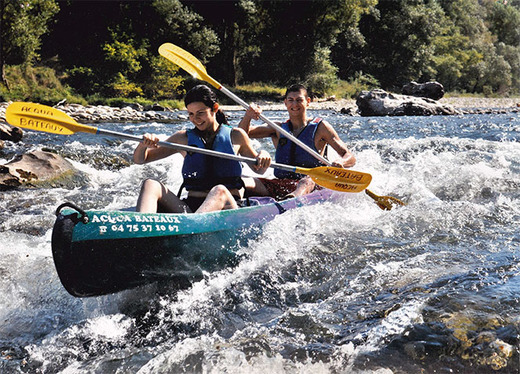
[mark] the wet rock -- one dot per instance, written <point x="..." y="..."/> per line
<point x="134" y="106"/>
<point x="8" y="132"/>
<point x="39" y="169"/>
<point x="381" y="103"/>
<point x="155" y="107"/>
<point x="349" y="111"/>
<point x="431" y="90"/>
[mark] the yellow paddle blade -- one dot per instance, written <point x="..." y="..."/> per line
<point x="43" y="118"/>
<point x="338" y="179"/>
<point x="385" y="202"/>
<point x="188" y="62"/>
<point x="169" y="48"/>
<point x="339" y="186"/>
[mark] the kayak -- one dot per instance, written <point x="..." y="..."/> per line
<point x="98" y="252"/>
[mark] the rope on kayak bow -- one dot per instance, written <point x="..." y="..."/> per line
<point x="84" y="217"/>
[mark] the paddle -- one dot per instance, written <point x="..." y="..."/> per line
<point x="44" y="118"/>
<point x="194" y="67"/>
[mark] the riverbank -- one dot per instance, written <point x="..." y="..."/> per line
<point x="465" y="104"/>
<point x="481" y="102"/>
<point x="101" y="113"/>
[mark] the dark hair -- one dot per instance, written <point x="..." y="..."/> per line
<point x="296" y="88"/>
<point x="205" y="95"/>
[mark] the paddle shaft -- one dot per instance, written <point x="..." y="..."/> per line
<point x="44" y="118"/>
<point x="333" y="178"/>
<point x="275" y="126"/>
<point x="187" y="148"/>
<point x="384" y="202"/>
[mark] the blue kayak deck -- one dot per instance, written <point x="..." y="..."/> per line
<point x="104" y="225"/>
<point x="116" y="250"/>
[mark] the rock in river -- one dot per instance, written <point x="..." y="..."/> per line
<point x="431" y="90"/>
<point x="8" y="132"/>
<point x="381" y="103"/>
<point x="39" y="169"/>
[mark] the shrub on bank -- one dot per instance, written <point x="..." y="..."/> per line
<point x="36" y="84"/>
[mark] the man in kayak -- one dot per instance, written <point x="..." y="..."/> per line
<point x="316" y="133"/>
<point x="212" y="183"/>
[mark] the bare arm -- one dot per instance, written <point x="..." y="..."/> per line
<point x="263" y="159"/>
<point x="330" y="136"/>
<point x="257" y="132"/>
<point x="148" y="150"/>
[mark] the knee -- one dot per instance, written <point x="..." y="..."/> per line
<point x="220" y="190"/>
<point x="151" y="185"/>
<point x="306" y="181"/>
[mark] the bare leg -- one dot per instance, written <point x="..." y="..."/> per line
<point x="154" y="193"/>
<point x="255" y="187"/>
<point x="304" y="186"/>
<point x="218" y="198"/>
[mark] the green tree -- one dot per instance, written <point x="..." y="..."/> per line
<point x="108" y="47"/>
<point x="323" y="77"/>
<point x="504" y="24"/>
<point x="124" y="60"/>
<point x="164" y="82"/>
<point x="235" y="23"/>
<point x="511" y="54"/>
<point x="185" y="28"/>
<point x="454" y="55"/>
<point x="291" y="35"/>
<point x="399" y="40"/>
<point x="22" y="25"/>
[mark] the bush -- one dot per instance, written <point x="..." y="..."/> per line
<point x="165" y="82"/>
<point x="322" y="78"/>
<point x="487" y="91"/>
<point x="81" y="78"/>
<point x="36" y="84"/>
<point x="122" y="86"/>
<point x="352" y="88"/>
<point x="257" y="92"/>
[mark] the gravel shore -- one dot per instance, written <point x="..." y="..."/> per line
<point x="468" y="103"/>
<point x="481" y="103"/>
<point x="100" y="113"/>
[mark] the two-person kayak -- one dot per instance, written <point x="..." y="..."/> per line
<point x="98" y="252"/>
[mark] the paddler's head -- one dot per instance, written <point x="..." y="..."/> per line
<point x="203" y="109"/>
<point x="297" y="100"/>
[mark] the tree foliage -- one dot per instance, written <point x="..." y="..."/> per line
<point x="109" y="48"/>
<point x="23" y="25"/>
<point x="291" y="35"/>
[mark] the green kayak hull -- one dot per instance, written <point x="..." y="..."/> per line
<point x="99" y="252"/>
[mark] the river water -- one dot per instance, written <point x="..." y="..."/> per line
<point x="335" y="288"/>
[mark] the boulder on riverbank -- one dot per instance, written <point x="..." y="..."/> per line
<point x="381" y="103"/>
<point x="431" y="90"/>
<point x="39" y="169"/>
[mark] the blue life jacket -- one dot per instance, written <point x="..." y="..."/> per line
<point x="290" y="153"/>
<point x="202" y="172"/>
